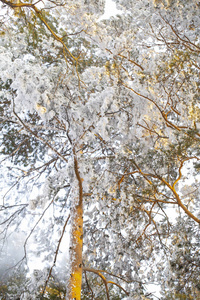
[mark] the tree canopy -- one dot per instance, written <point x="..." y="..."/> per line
<point x="100" y="156"/>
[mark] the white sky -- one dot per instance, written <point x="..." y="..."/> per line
<point x="110" y="10"/>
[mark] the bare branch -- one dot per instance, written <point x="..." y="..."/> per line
<point x="55" y="256"/>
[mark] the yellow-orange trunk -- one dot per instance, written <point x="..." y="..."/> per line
<point x="76" y="255"/>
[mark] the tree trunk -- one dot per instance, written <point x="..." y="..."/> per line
<point x="75" y="279"/>
<point x="76" y="254"/>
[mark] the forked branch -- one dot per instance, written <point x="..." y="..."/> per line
<point x="105" y="281"/>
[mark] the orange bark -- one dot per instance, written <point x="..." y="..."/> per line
<point x="75" y="280"/>
<point x="76" y="251"/>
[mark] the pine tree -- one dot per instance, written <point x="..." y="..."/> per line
<point x="100" y="147"/>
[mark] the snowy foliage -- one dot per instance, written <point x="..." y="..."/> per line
<point x="121" y="96"/>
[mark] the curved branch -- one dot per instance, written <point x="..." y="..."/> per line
<point x="171" y="187"/>
<point x="179" y="201"/>
<point x="40" y="16"/>
<point x="163" y="114"/>
<point x="99" y="273"/>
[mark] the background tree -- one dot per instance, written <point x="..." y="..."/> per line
<point x="102" y="116"/>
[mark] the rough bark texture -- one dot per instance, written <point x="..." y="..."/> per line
<point x="76" y="252"/>
<point x="76" y="241"/>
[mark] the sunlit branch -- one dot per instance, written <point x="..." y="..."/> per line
<point x="180" y="168"/>
<point x="45" y="23"/>
<point x="148" y="224"/>
<point x="111" y="274"/>
<point x="152" y="131"/>
<point x="185" y="41"/>
<point x="171" y="187"/>
<point x="99" y="273"/>
<point x="128" y="59"/>
<point x="41" y="17"/>
<point x="163" y="114"/>
<point x="180" y="202"/>
<point x="154" y="200"/>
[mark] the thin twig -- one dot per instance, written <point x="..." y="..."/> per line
<point x="55" y="257"/>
